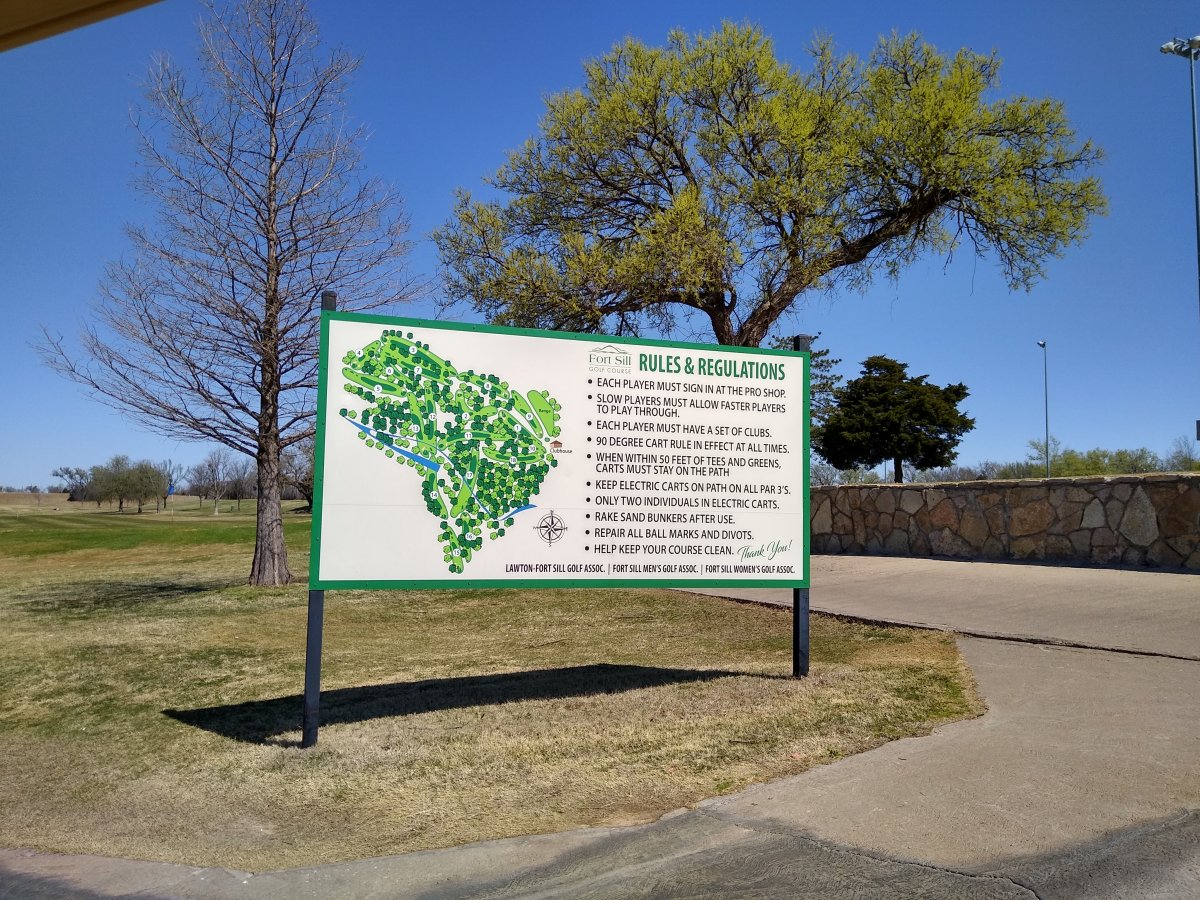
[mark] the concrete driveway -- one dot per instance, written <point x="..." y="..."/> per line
<point x="1082" y="780"/>
<point x="1141" y="610"/>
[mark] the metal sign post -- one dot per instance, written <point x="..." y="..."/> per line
<point x="800" y="648"/>
<point x="316" y="626"/>
<point x="312" y="667"/>
<point x="799" y="632"/>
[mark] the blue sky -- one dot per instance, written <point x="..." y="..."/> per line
<point x="446" y="89"/>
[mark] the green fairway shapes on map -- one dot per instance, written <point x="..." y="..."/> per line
<point x="480" y="446"/>
<point x="546" y="409"/>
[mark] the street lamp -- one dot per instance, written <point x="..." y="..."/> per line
<point x="1190" y="50"/>
<point x="1046" y="398"/>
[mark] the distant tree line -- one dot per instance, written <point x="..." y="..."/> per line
<point x="121" y="481"/>
<point x="219" y="476"/>
<point x="1182" y="456"/>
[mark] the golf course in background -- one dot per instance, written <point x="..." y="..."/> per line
<point x="151" y="701"/>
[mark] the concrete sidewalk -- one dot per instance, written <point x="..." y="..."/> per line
<point x="1082" y="780"/>
<point x="1123" y="609"/>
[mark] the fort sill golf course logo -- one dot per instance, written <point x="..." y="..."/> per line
<point x="610" y="359"/>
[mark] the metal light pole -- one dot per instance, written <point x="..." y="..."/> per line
<point x="1190" y="50"/>
<point x="1046" y="399"/>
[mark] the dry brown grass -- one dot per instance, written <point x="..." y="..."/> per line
<point x="151" y="704"/>
<point x="20" y="500"/>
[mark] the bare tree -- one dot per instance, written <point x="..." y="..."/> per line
<point x="208" y="330"/>
<point x="1182" y="456"/>
<point x="241" y="480"/>
<point x="298" y="469"/>
<point x="210" y="477"/>
<point x="75" y="481"/>
<point x="172" y="477"/>
<point x="146" y="482"/>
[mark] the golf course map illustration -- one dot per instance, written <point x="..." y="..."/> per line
<point x="482" y="447"/>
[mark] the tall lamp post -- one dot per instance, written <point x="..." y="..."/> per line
<point x="1046" y="400"/>
<point x="1189" y="49"/>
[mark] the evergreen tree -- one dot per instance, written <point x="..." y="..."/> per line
<point x="886" y="415"/>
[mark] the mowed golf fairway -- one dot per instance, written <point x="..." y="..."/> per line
<point x="151" y="700"/>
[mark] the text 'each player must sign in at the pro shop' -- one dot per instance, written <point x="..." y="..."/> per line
<point x="693" y="469"/>
<point x="480" y="446"/>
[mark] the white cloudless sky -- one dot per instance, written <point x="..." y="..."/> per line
<point x="447" y="89"/>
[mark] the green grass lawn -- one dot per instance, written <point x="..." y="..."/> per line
<point x="151" y="702"/>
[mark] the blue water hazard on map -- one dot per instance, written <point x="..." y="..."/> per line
<point x="415" y="457"/>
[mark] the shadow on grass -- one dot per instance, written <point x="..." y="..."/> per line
<point x="81" y="598"/>
<point x="261" y="721"/>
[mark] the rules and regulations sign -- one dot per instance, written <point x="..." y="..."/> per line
<point x="453" y="455"/>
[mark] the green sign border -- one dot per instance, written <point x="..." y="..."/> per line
<point x="315" y="582"/>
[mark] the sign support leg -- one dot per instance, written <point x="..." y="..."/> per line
<point x="312" y="667"/>
<point x="316" y="619"/>
<point x="801" y="343"/>
<point x="799" y="632"/>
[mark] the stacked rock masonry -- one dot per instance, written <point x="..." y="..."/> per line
<point x="1134" y="520"/>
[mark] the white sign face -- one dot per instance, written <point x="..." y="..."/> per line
<point x="453" y="455"/>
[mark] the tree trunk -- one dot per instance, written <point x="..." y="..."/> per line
<point x="898" y="470"/>
<point x="270" y="566"/>
<point x="270" y="550"/>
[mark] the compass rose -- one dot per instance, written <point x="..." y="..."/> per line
<point x="551" y="528"/>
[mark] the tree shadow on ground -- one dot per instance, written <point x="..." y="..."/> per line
<point x="261" y="721"/>
<point x="81" y="598"/>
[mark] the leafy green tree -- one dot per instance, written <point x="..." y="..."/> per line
<point x="1069" y="463"/>
<point x="709" y="179"/>
<point x="886" y="415"/>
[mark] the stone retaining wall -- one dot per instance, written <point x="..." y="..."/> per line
<point x="1135" y="520"/>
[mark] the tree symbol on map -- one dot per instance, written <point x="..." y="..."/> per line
<point x="480" y="446"/>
